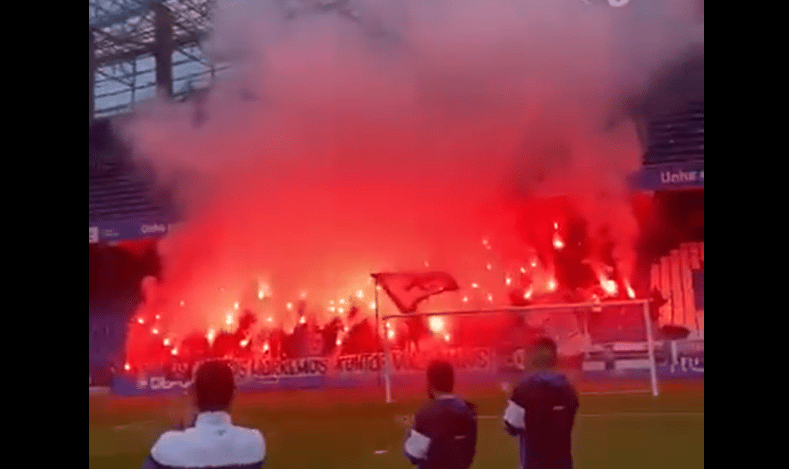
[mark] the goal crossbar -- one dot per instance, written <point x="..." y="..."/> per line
<point x="523" y="309"/>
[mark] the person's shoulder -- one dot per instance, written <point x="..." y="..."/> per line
<point x="525" y="385"/>
<point x="180" y="448"/>
<point x="252" y="441"/>
<point x="428" y="408"/>
<point x="171" y="445"/>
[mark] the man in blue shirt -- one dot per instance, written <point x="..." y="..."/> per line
<point x="541" y="412"/>
<point x="213" y="441"/>
<point x="445" y="428"/>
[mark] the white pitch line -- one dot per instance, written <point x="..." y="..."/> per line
<point x="602" y="393"/>
<point x="619" y="414"/>
<point x="132" y="425"/>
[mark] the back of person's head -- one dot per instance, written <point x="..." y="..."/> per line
<point x="441" y="376"/>
<point x="214" y="386"/>
<point x="544" y="353"/>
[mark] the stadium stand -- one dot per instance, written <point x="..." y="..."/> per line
<point x="676" y="144"/>
<point x="107" y="321"/>
<point x="121" y="197"/>
<point x="678" y="137"/>
<point x="117" y="193"/>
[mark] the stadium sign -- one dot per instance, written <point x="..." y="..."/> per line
<point x="127" y="230"/>
<point x="661" y="177"/>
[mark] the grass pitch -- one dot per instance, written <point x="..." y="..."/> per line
<point x="352" y="429"/>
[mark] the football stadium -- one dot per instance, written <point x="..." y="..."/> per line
<point x="325" y="197"/>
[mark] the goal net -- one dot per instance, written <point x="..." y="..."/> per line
<point x="603" y="347"/>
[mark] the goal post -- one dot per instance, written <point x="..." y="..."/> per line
<point x="610" y="338"/>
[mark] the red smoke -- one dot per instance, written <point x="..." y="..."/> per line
<point x="363" y="155"/>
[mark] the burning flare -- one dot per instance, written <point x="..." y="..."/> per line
<point x="436" y="324"/>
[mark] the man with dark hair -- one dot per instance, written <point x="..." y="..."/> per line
<point x="444" y="435"/>
<point x="541" y="412"/>
<point x="213" y="441"/>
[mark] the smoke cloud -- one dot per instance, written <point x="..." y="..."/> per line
<point x="396" y="135"/>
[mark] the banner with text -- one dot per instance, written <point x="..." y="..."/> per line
<point x="483" y="364"/>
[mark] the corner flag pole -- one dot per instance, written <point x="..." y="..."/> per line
<point x="385" y="339"/>
<point x="651" y="349"/>
<point x="377" y="325"/>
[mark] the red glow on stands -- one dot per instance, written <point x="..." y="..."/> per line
<point x="269" y="236"/>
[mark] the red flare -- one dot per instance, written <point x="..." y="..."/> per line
<point x="558" y="244"/>
<point x="609" y="286"/>
<point x="630" y="292"/>
<point x="436" y="324"/>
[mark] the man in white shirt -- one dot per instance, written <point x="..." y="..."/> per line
<point x="212" y="441"/>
